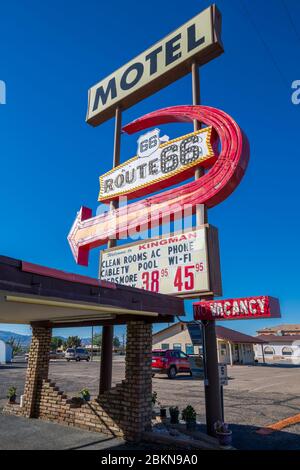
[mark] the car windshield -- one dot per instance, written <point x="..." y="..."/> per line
<point x="81" y="351"/>
<point x="69" y="350"/>
<point x="158" y="353"/>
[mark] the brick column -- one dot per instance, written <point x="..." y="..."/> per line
<point x="138" y="380"/>
<point x="37" y="370"/>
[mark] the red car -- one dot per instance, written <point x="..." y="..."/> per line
<point x="170" y="362"/>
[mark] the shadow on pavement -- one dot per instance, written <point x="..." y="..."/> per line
<point x="245" y="437"/>
<point x="279" y="365"/>
<point x="12" y="366"/>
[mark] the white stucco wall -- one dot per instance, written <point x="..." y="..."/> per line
<point x="242" y="353"/>
<point x="181" y="337"/>
<point x="5" y="352"/>
<point x="278" y="355"/>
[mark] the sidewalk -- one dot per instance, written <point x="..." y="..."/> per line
<point x="19" y="433"/>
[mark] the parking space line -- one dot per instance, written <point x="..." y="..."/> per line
<point x="283" y="423"/>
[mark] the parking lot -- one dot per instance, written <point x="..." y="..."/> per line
<point x="256" y="396"/>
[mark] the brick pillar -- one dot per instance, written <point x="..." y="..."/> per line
<point x="138" y="379"/>
<point x="37" y="370"/>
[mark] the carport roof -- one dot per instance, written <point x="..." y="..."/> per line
<point x="36" y="294"/>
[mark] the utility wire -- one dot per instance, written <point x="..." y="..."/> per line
<point x="266" y="46"/>
<point x="297" y="34"/>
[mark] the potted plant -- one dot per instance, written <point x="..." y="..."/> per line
<point x="11" y="395"/>
<point x="163" y="411"/>
<point x="174" y="414"/>
<point x="189" y="416"/>
<point x="223" y="433"/>
<point x="85" y="393"/>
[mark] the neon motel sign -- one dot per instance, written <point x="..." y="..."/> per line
<point x="163" y="63"/>
<point x="159" y="163"/>
<point x="216" y="185"/>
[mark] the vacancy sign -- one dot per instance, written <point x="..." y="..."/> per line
<point x="237" y="309"/>
<point x="185" y="264"/>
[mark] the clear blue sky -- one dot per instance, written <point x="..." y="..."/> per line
<point x="52" y="52"/>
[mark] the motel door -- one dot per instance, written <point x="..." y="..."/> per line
<point x="236" y="354"/>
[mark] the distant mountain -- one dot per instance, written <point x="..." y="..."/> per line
<point x="7" y="335"/>
<point x="26" y="339"/>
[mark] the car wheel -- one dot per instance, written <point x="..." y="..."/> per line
<point x="172" y="372"/>
<point x="191" y="373"/>
<point x="68" y="360"/>
<point x="77" y="359"/>
<point x="153" y="375"/>
<point x="87" y="360"/>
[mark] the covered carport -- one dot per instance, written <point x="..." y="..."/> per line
<point x="47" y="298"/>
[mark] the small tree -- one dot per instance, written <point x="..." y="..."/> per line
<point x="97" y="340"/>
<point x="72" y="342"/>
<point x="56" y="343"/>
<point x="116" y="342"/>
<point x="15" y="345"/>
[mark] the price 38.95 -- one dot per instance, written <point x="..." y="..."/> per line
<point x="184" y="279"/>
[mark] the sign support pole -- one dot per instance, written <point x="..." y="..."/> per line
<point x="213" y="399"/>
<point x="108" y="330"/>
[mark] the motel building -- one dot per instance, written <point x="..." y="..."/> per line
<point x="282" y="344"/>
<point x="233" y="347"/>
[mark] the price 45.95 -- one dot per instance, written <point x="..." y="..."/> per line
<point x="184" y="279"/>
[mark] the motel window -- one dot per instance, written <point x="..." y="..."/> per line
<point x="269" y="350"/>
<point x="177" y="346"/>
<point x="287" y="351"/>
<point x="165" y="346"/>
<point x="189" y="349"/>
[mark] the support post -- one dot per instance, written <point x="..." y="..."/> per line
<point x="213" y="402"/>
<point x="106" y="359"/>
<point x="230" y="353"/>
<point x="108" y="331"/>
<point x="201" y="216"/>
<point x="138" y="379"/>
<point x="263" y="354"/>
<point x="37" y="370"/>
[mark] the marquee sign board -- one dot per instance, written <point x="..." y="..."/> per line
<point x="158" y="165"/>
<point x="168" y="60"/>
<point x="237" y="309"/>
<point x="185" y="264"/>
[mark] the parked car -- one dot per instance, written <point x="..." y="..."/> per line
<point x="77" y="354"/>
<point x="57" y="354"/>
<point x="170" y="362"/>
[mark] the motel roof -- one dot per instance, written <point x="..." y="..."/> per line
<point x="285" y="327"/>
<point x="236" y="336"/>
<point x="222" y="333"/>
<point x="279" y="338"/>
<point x="33" y="294"/>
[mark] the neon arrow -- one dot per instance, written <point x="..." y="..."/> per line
<point x="216" y="185"/>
